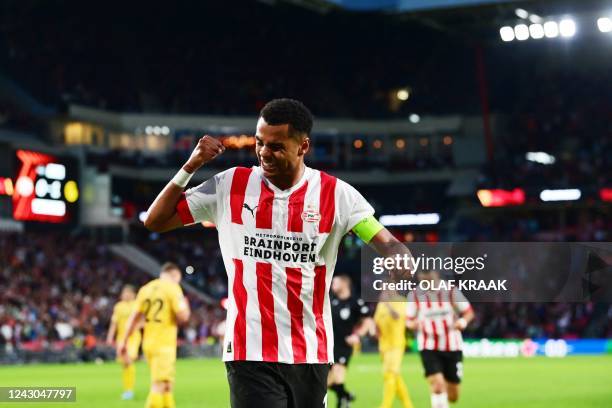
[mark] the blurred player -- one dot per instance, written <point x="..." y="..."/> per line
<point x="162" y="306"/>
<point x="350" y="318"/>
<point x="279" y="226"/>
<point x="116" y="332"/>
<point x="390" y="318"/>
<point x="439" y="316"/>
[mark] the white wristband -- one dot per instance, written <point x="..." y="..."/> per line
<point x="462" y="323"/>
<point x="181" y="178"/>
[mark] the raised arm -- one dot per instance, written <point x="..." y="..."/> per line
<point x="162" y="215"/>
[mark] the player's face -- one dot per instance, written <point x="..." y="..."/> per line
<point x="127" y="294"/>
<point x="279" y="154"/>
<point x="338" y="284"/>
<point x="176" y="275"/>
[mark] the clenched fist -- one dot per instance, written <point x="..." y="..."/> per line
<point x="206" y="150"/>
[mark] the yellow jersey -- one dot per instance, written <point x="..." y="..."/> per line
<point x="159" y="301"/>
<point x="392" y="332"/>
<point x="121" y="313"/>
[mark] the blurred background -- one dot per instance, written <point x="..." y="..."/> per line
<point x="470" y="120"/>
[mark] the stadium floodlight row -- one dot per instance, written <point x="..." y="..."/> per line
<point x="565" y="28"/>
<point x="550" y="29"/>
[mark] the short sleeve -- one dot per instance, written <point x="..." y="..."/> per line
<point x="460" y="302"/>
<point x="177" y="299"/>
<point x="139" y="302"/>
<point x="199" y="203"/>
<point x="353" y="207"/>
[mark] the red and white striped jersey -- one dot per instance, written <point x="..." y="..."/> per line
<point x="436" y="313"/>
<point x="279" y="248"/>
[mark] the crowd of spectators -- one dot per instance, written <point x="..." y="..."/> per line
<point x="196" y="247"/>
<point x="218" y="58"/>
<point x="541" y="320"/>
<point x="516" y="225"/>
<point x="58" y="291"/>
<point x="568" y="115"/>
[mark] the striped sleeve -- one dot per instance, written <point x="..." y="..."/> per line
<point x="199" y="203"/>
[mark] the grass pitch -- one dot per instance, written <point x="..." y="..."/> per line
<point x="570" y="382"/>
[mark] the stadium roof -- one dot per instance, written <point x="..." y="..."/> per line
<point x="409" y="5"/>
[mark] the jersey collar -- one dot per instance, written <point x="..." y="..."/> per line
<point x="277" y="191"/>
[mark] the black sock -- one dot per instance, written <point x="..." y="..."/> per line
<point x="339" y="390"/>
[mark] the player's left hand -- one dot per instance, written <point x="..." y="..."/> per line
<point x="126" y="359"/>
<point x="122" y="349"/>
<point x="352" y="340"/>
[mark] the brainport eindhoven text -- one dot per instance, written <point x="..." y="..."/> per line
<point x="442" y="285"/>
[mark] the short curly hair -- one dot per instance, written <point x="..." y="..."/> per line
<point x="288" y="111"/>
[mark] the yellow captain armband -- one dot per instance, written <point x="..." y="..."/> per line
<point x="367" y="228"/>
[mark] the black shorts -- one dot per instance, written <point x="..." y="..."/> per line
<point x="449" y="363"/>
<point x="277" y="385"/>
<point x="342" y="355"/>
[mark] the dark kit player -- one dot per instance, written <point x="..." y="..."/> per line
<point x="279" y="226"/>
<point x="351" y="320"/>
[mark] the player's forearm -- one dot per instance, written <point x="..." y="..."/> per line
<point x="163" y="208"/>
<point x="182" y="317"/>
<point x="161" y="215"/>
<point x="468" y="316"/>
<point x="386" y="245"/>
<point x="132" y="324"/>
<point x="364" y="327"/>
<point x="111" y="333"/>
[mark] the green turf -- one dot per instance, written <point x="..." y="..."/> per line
<point x="572" y="382"/>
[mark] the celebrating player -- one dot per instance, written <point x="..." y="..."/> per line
<point x="279" y="226"/>
<point x="350" y="319"/>
<point x="116" y="332"/>
<point x="390" y="318"/>
<point x="439" y="316"/>
<point x="162" y="306"/>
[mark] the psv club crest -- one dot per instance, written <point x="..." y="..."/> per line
<point x="310" y="214"/>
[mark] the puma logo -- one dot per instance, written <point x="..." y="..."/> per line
<point x="252" y="210"/>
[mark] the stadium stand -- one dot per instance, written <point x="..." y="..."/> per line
<point x="57" y="294"/>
